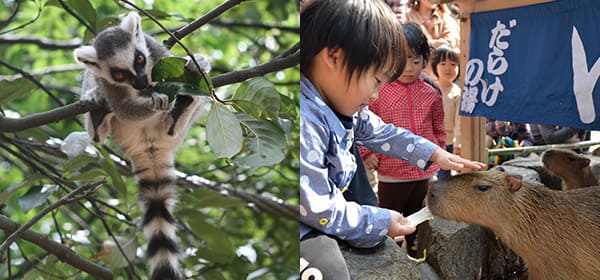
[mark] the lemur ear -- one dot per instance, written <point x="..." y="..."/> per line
<point x="86" y="55"/>
<point x="133" y="23"/>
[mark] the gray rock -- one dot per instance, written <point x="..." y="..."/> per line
<point x="454" y="250"/>
<point x="502" y="262"/>
<point x="529" y="175"/>
<point x="533" y="162"/>
<point x="389" y="263"/>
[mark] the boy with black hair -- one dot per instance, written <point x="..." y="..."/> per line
<point x="349" y="47"/>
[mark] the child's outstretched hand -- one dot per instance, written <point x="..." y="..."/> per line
<point x="371" y="162"/>
<point x="399" y="227"/>
<point x="446" y="160"/>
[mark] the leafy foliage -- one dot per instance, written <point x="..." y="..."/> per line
<point x="245" y="142"/>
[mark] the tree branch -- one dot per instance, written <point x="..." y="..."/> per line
<point x="41" y="42"/>
<point x="259" y="70"/>
<point x="266" y="202"/>
<point x="80" y="107"/>
<point x="232" y="23"/>
<point x="54" y="115"/>
<point x="63" y="252"/>
<point x="70" y="197"/>
<point x="33" y="80"/>
<point x="194" y="25"/>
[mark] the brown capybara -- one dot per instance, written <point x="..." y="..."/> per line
<point x="557" y="233"/>
<point x="574" y="169"/>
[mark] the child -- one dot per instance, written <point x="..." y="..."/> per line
<point x="347" y="45"/>
<point x="445" y="64"/>
<point x="411" y="103"/>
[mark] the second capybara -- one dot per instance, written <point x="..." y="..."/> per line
<point x="557" y="233"/>
<point x="573" y="168"/>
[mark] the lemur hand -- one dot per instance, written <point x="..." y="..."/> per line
<point x="160" y="102"/>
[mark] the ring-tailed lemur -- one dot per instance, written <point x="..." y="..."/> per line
<point x="142" y="123"/>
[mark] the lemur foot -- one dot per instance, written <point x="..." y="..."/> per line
<point x="202" y="62"/>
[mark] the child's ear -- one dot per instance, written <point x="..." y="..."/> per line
<point x="332" y="57"/>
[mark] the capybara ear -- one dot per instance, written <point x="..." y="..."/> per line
<point x="514" y="181"/>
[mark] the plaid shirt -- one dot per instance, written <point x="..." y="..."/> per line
<point x="417" y="107"/>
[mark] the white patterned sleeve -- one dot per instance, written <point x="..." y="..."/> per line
<point x="322" y="205"/>
<point x="392" y="141"/>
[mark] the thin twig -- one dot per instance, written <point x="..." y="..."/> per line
<point x="41" y="42"/>
<point x="33" y="80"/>
<point x="13" y="14"/>
<point x="233" y="23"/>
<point x="24" y="24"/>
<point x="114" y="238"/>
<point x="194" y="25"/>
<point x="70" y="11"/>
<point x="63" y="252"/>
<point x="80" y="107"/>
<point x="69" y="198"/>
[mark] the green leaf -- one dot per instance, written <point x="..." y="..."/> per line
<point x="168" y="88"/>
<point x="11" y="89"/>
<point x="258" y="97"/>
<point x="78" y="161"/>
<point x="202" y="198"/>
<point x="223" y="131"/>
<point x="266" y="144"/>
<point x="173" y="78"/>
<point x="85" y="10"/>
<point x="111" y="169"/>
<point x="213" y="274"/>
<point x="88" y="175"/>
<point x="5" y="195"/>
<point x="168" y="68"/>
<point x="36" y="196"/>
<point x="221" y="249"/>
<point x="158" y="14"/>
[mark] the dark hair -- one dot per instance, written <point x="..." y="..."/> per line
<point x="445" y="52"/>
<point x="417" y="41"/>
<point x="366" y="30"/>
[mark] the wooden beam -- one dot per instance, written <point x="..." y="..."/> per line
<point x="472" y="136"/>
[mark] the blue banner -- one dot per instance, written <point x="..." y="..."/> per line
<point x="536" y="64"/>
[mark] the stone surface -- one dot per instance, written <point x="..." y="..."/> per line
<point x="454" y="250"/>
<point x="389" y="263"/>
<point x="501" y="261"/>
<point x="529" y="175"/>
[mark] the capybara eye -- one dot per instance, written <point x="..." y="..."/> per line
<point x="482" y="188"/>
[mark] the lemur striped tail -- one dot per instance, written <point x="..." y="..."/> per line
<point x="157" y="198"/>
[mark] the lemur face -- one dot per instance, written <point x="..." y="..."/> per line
<point x="119" y="54"/>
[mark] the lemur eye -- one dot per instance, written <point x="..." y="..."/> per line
<point x="118" y="76"/>
<point x="139" y="59"/>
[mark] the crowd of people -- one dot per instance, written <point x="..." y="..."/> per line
<point x="379" y="121"/>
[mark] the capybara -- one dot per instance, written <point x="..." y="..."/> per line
<point x="574" y="169"/>
<point x="557" y="233"/>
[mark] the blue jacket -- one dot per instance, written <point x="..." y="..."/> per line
<point x="327" y="167"/>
